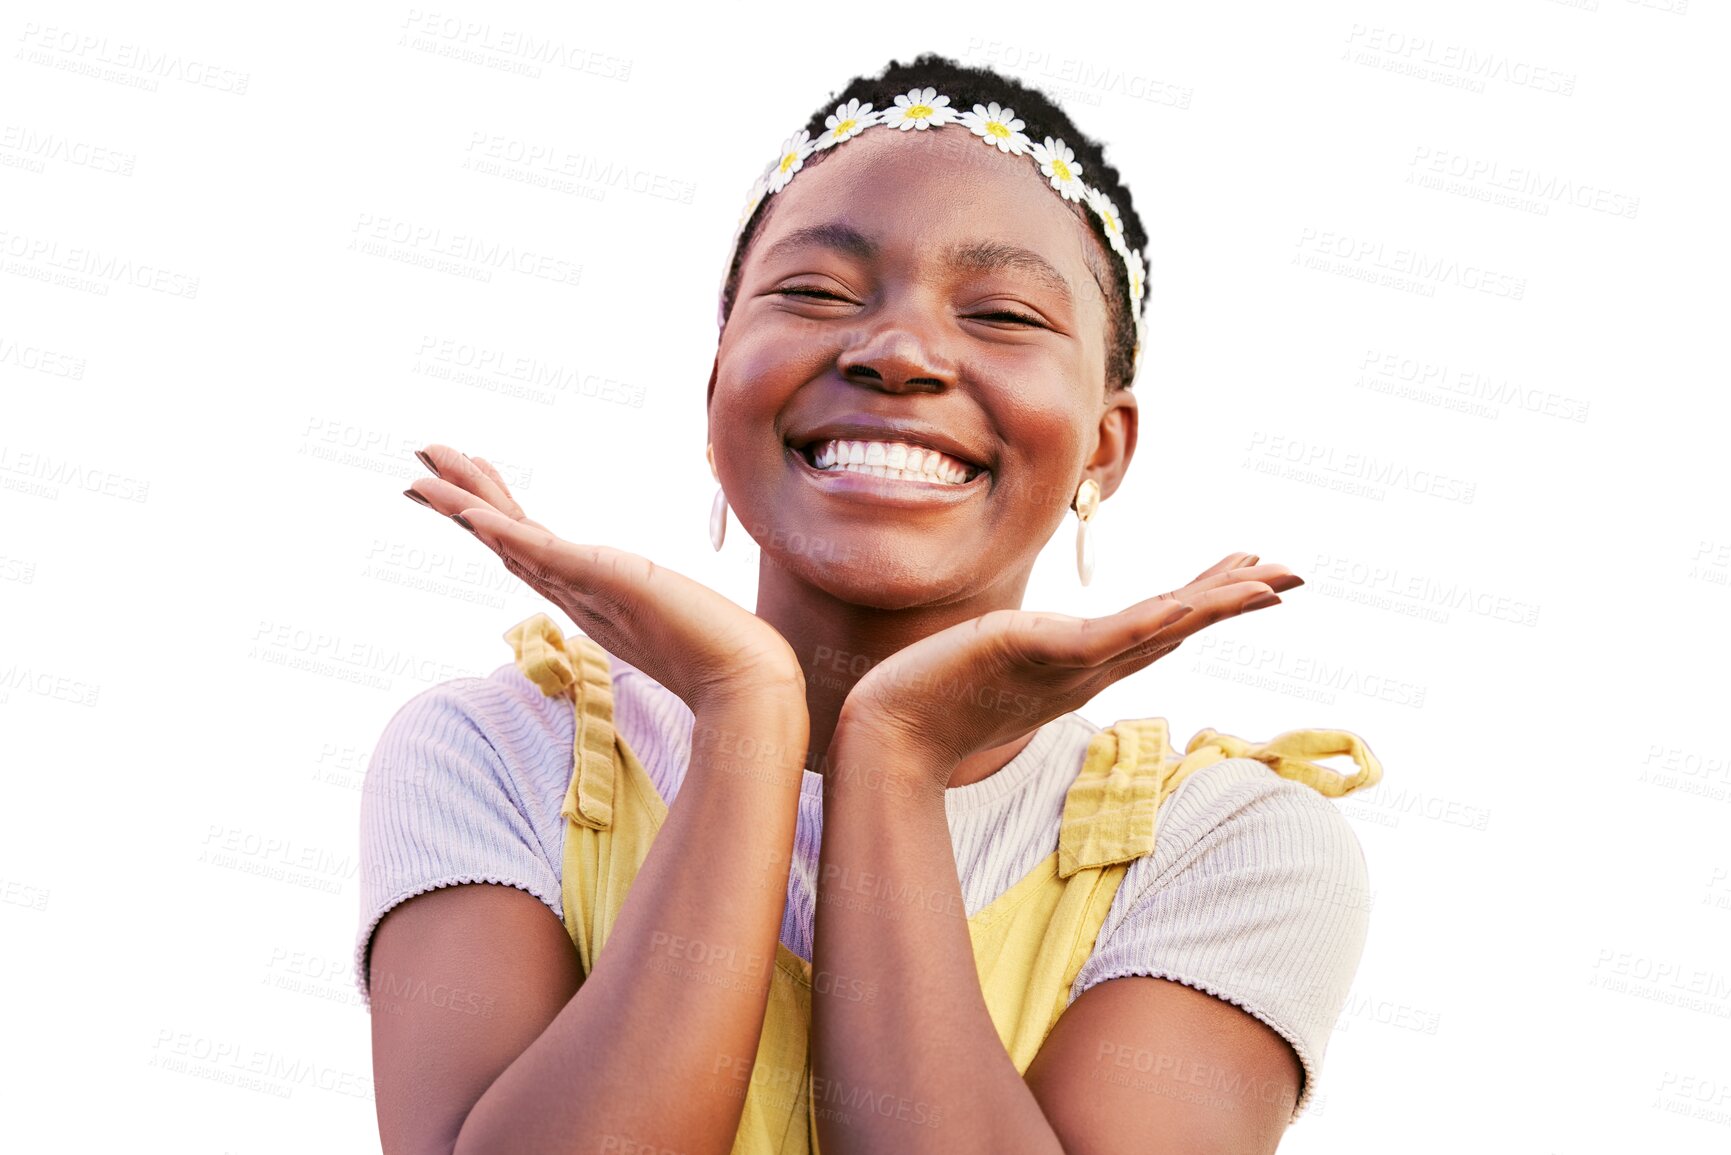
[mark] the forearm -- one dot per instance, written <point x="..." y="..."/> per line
<point x="649" y="1048"/>
<point x="923" y="1051"/>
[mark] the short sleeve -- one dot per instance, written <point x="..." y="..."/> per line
<point x="441" y="805"/>
<point x="1257" y="892"/>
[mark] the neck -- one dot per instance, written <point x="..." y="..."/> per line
<point x="838" y="643"/>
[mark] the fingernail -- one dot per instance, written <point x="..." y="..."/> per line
<point x="1261" y="600"/>
<point x="464" y="522"/>
<point x="412" y="494"/>
<point x="1185" y="609"/>
<point x="428" y="462"/>
<point x="1253" y="559"/>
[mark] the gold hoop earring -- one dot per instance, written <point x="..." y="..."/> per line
<point x="1086" y="504"/>
<point x="718" y="507"/>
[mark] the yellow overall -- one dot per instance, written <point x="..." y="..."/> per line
<point x="1029" y="944"/>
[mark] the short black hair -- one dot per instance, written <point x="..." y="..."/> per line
<point x="1042" y="117"/>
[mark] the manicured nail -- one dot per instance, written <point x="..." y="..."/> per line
<point x="428" y="462"/>
<point x="1261" y="600"/>
<point x="412" y="494"/>
<point x="1185" y="611"/>
<point x="1253" y="559"/>
<point x="464" y="522"/>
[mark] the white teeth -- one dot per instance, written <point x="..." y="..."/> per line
<point x="893" y="459"/>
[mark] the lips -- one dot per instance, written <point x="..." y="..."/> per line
<point x="867" y="491"/>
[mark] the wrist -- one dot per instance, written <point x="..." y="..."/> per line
<point x="755" y="737"/>
<point x="771" y="692"/>
<point x="868" y="758"/>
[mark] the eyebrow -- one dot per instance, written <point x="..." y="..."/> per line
<point x="990" y="256"/>
<point x="974" y="256"/>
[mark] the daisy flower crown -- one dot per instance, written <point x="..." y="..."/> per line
<point x="997" y="127"/>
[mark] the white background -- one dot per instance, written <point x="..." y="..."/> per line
<point x="1502" y="477"/>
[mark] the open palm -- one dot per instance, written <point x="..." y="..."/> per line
<point x="989" y="680"/>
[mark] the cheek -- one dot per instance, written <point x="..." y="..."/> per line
<point x="1044" y="451"/>
<point x="773" y="357"/>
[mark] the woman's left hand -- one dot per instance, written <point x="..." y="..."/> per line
<point x="987" y="681"/>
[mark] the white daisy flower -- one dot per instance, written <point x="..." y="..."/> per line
<point x="1109" y="220"/>
<point x="1058" y="162"/>
<point x="1137" y="273"/>
<point x="759" y="190"/>
<point x="920" y="108"/>
<point x="794" y="150"/>
<point x="998" y="126"/>
<point x="848" y="120"/>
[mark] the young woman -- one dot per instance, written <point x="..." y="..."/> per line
<point x="597" y="912"/>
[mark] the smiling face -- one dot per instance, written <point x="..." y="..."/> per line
<point x="916" y="287"/>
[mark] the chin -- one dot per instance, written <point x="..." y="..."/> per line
<point x="880" y="578"/>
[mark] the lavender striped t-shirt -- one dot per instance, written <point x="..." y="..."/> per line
<point x="1255" y="892"/>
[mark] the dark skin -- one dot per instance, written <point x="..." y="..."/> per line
<point x="906" y="334"/>
<point x="927" y="592"/>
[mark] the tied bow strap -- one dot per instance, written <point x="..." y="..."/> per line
<point x="540" y="649"/>
<point x="1289" y="755"/>
<point x="577" y="669"/>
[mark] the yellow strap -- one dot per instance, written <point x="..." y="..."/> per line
<point x="1289" y="756"/>
<point x="578" y="668"/>
<point x="1111" y="812"/>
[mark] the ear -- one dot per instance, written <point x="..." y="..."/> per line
<point x="1117" y="444"/>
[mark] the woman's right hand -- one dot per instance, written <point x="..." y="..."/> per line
<point x="703" y="647"/>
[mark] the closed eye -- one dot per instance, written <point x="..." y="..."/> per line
<point x="1001" y="315"/>
<point x="1006" y="315"/>
<point x="816" y="294"/>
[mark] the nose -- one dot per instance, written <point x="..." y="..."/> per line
<point x="897" y="357"/>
